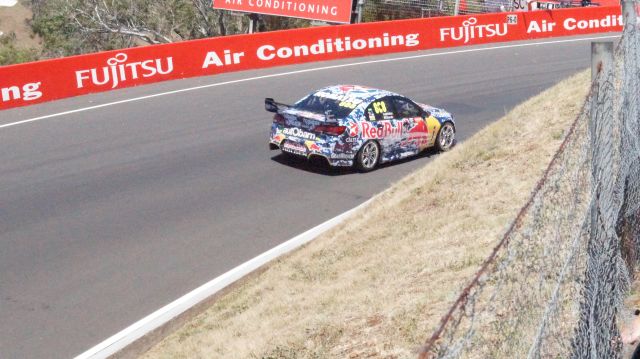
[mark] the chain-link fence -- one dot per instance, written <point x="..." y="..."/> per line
<point x="380" y="10"/>
<point x="554" y="286"/>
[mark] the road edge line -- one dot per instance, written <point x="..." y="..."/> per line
<point x="164" y="315"/>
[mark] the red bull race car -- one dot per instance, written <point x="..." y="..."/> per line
<point x="358" y="126"/>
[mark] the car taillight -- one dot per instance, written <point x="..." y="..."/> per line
<point x="278" y="119"/>
<point x="331" y="130"/>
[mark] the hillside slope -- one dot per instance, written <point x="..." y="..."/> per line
<point x="377" y="285"/>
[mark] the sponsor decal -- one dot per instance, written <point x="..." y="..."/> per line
<point x="26" y="92"/>
<point x="519" y="5"/>
<point x="36" y="82"/>
<point x="337" y="45"/>
<point x="383" y="129"/>
<point x="607" y="22"/>
<point x="327" y="10"/>
<point x="295" y="148"/>
<point x="118" y="71"/>
<point x="572" y="24"/>
<point x="470" y="30"/>
<point x="342" y="156"/>
<point x="230" y="58"/>
<point x="296" y="132"/>
<point x="354" y="129"/>
<point x="386" y="129"/>
<point x="312" y="146"/>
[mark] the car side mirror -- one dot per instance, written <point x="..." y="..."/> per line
<point x="426" y="114"/>
<point x="270" y="105"/>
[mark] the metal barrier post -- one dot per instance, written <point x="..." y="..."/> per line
<point x="360" y="6"/>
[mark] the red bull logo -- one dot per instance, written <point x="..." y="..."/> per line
<point x="383" y="129"/>
<point x="313" y="147"/>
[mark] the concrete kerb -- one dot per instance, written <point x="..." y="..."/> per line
<point x="140" y="336"/>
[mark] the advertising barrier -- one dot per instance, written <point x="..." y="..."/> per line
<point x="325" y="10"/>
<point x="48" y="80"/>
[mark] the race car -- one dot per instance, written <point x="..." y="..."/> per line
<point x="350" y="125"/>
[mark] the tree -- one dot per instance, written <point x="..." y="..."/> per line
<point x="70" y="27"/>
<point x="81" y="26"/>
<point x="153" y="22"/>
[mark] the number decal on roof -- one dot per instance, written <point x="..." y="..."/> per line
<point x="348" y="104"/>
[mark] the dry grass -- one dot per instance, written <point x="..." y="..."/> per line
<point x="378" y="285"/>
<point x="627" y="317"/>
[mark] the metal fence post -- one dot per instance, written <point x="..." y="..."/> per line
<point x="629" y="222"/>
<point x="359" y="9"/>
<point x="629" y="13"/>
<point x="601" y="59"/>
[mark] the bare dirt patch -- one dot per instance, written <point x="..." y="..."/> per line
<point x="15" y="19"/>
<point x="376" y="286"/>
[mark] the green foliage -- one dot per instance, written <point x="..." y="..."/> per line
<point x="55" y="22"/>
<point x="70" y="27"/>
<point x="383" y="10"/>
<point x="54" y="27"/>
<point x="273" y="23"/>
<point x="10" y="54"/>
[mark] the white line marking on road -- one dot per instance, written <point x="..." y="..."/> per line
<point x="282" y="74"/>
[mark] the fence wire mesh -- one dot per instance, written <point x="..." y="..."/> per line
<point x="380" y="10"/>
<point x="554" y="286"/>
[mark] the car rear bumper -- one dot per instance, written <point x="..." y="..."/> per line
<point x="334" y="160"/>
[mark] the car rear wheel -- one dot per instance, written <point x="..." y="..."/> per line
<point x="368" y="156"/>
<point x="446" y="137"/>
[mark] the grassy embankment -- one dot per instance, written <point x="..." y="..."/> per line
<point x="378" y="285"/>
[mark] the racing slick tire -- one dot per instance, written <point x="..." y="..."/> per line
<point x="368" y="157"/>
<point x="446" y="137"/>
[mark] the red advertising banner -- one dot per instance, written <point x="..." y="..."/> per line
<point x="326" y="10"/>
<point x="48" y="80"/>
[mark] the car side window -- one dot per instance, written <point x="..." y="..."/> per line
<point x="381" y="109"/>
<point x="406" y="108"/>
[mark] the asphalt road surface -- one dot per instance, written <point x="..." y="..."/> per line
<point x="108" y="214"/>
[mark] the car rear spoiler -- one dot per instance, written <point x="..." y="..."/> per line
<point x="273" y="106"/>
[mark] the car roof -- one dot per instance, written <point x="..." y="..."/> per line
<point x="357" y="92"/>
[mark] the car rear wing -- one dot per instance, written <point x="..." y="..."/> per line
<point x="276" y="107"/>
<point x="273" y="106"/>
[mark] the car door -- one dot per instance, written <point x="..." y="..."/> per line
<point x="381" y="125"/>
<point x="415" y="135"/>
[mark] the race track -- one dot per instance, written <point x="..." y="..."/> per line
<point x="108" y="214"/>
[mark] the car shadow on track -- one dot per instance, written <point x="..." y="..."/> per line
<point x="320" y="166"/>
<point x="317" y="166"/>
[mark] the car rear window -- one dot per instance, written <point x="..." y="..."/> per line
<point x="324" y="104"/>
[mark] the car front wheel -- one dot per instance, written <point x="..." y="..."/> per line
<point x="368" y="156"/>
<point x="446" y="137"/>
